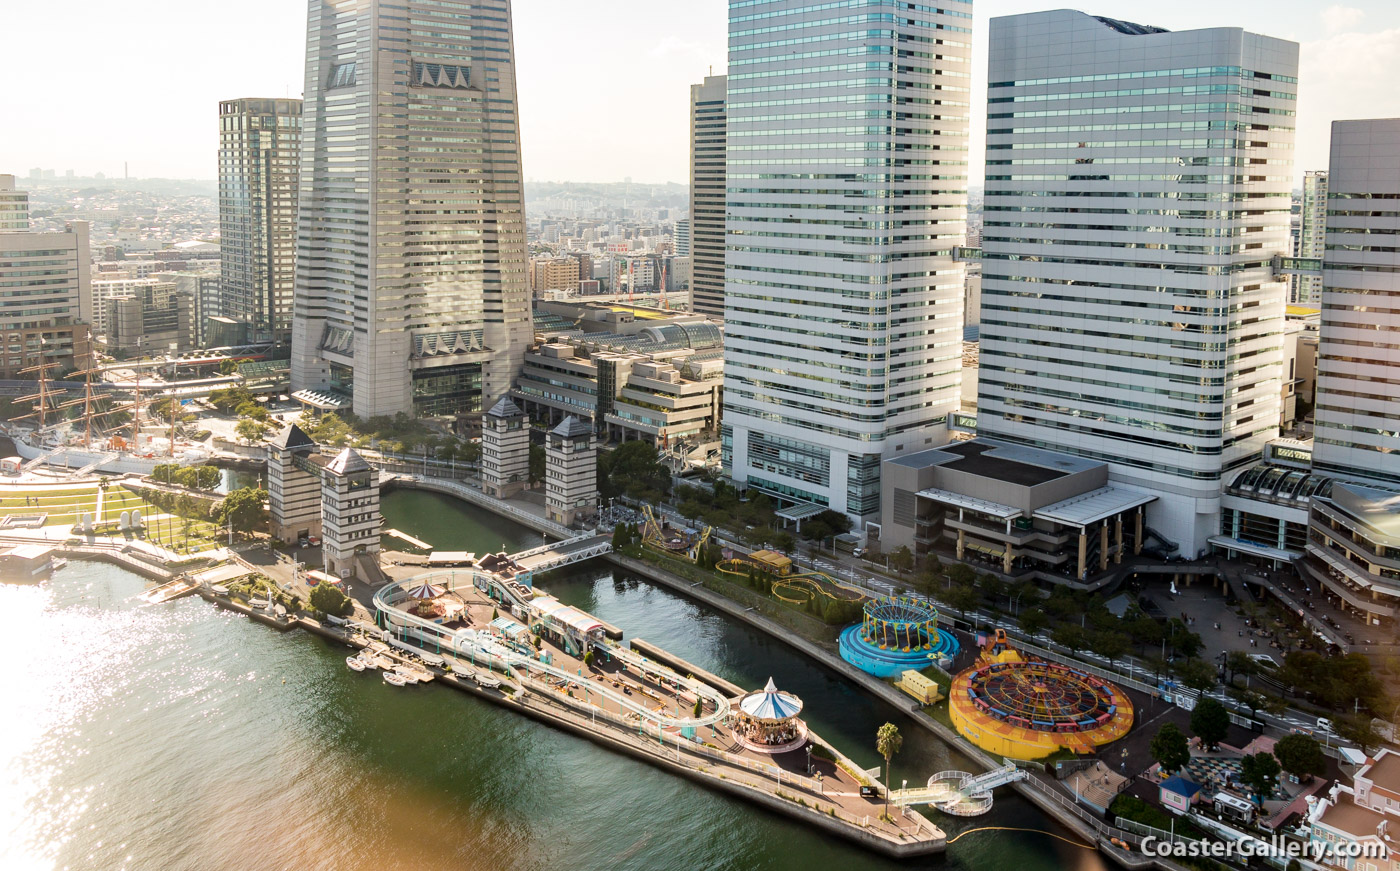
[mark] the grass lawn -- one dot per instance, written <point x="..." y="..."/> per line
<point x="65" y="506"/>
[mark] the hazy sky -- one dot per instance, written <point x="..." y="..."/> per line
<point x="603" y="84"/>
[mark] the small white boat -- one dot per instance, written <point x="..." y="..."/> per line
<point x="409" y="677"/>
<point x="355" y="663"/>
<point x="395" y="679"/>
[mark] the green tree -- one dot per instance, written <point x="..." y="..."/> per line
<point x="1260" y="771"/>
<point x="887" y="744"/>
<point x="1249" y="698"/>
<point x="1237" y="662"/>
<point x="1170" y="748"/>
<point x="1197" y="674"/>
<point x="633" y="469"/>
<point x="328" y="599"/>
<point x="784" y="542"/>
<point x="1033" y="621"/>
<point x="962" y="597"/>
<point x="961" y="573"/>
<point x="207" y="477"/>
<point x="1210" y="721"/>
<point x="588" y="657"/>
<point x="249" y="429"/>
<point x="699" y="706"/>
<point x="902" y="559"/>
<point x="1069" y="636"/>
<point x="1109" y="645"/>
<point x="245" y="509"/>
<point x="537" y="458"/>
<point x="1301" y="756"/>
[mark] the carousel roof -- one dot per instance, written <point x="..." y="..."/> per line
<point x="426" y="591"/>
<point x="770" y="704"/>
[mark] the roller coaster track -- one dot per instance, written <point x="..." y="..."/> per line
<point x="484" y="648"/>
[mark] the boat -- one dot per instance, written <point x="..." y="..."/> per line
<point x="407" y="675"/>
<point x="355" y="663"/>
<point x="395" y="679"/>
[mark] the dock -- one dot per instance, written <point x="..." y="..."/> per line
<point x="404" y="536"/>
<point x="168" y="592"/>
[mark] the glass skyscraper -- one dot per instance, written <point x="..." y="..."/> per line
<point x="411" y="290"/>
<point x="1139" y="183"/>
<point x="847" y="197"/>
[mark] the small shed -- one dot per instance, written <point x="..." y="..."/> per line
<point x="1177" y="794"/>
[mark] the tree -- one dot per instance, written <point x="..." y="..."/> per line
<point x="632" y="469"/>
<point x="245" y="508"/>
<point x="537" y="458"/>
<point x="1260" y="771"/>
<point x="1109" y="645"/>
<point x="784" y="541"/>
<point x="1301" y="756"/>
<point x="588" y="657"/>
<point x="1198" y="675"/>
<point x="1238" y="662"/>
<point x="825" y="524"/>
<point x="699" y="706"/>
<point x="887" y="744"/>
<point x="249" y="429"/>
<point x="1170" y="748"/>
<point x="1069" y="636"/>
<point x="961" y="573"/>
<point x="962" y="598"/>
<point x="1358" y="730"/>
<point x="1034" y="621"/>
<point x="902" y="560"/>
<point x="207" y="477"/>
<point x="1249" y="698"/>
<point x="1210" y="721"/>
<point x="328" y="599"/>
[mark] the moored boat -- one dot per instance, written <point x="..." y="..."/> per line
<point x="355" y="663"/>
<point x="395" y="679"/>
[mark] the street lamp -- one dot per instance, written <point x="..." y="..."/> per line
<point x="809" y="760"/>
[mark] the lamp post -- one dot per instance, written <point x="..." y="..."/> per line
<point x="809" y="760"/>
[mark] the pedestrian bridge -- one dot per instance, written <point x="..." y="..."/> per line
<point x="959" y="793"/>
<point x="563" y="553"/>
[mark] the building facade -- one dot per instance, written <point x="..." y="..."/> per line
<point x="293" y="485"/>
<point x="1358" y="369"/>
<point x="847" y="198"/>
<point x="704" y="232"/>
<point x="554" y="273"/>
<point x="350" y="518"/>
<point x="570" y="473"/>
<point x="505" y="450"/>
<point x="412" y="289"/>
<point x="1139" y="185"/>
<point x="259" y="164"/>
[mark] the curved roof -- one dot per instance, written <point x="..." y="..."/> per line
<point x="770" y="704"/>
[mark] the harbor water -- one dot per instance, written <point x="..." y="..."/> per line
<point x="186" y="737"/>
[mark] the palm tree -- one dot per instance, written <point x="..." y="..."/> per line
<point x="887" y="744"/>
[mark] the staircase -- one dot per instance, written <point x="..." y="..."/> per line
<point x="369" y="570"/>
<point x="990" y="780"/>
<point x="90" y="467"/>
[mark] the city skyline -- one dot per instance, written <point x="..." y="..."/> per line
<point x="637" y="55"/>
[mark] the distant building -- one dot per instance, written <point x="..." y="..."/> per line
<point x="704" y="231"/>
<point x="155" y="321"/>
<point x="259" y="164"/>
<point x="570" y="473"/>
<point x="682" y="237"/>
<point x="45" y="291"/>
<point x="554" y="273"/>
<point x="1312" y="235"/>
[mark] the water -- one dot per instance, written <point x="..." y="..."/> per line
<point x="185" y="737"/>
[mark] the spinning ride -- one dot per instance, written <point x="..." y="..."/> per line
<point x="1027" y="708"/>
<point x="898" y="633"/>
<point x="767" y="722"/>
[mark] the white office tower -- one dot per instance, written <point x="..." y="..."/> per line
<point x="847" y="162"/>
<point x="1139" y="183"/>
<point x="1357" y="434"/>
<point x="411" y="291"/>
<point x="1312" y="235"/>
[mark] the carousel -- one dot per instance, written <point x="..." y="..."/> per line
<point x="766" y="721"/>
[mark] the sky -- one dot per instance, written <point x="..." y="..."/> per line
<point x="604" y="85"/>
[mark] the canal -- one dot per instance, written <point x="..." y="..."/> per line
<point x="185" y="737"/>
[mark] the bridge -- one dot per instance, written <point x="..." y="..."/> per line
<point x="959" y="793"/>
<point x="563" y="553"/>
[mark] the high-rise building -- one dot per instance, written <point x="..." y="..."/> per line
<point x="847" y="197"/>
<point x="682" y="237"/>
<point x="45" y="291"/>
<point x="411" y="290"/>
<point x="1312" y="235"/>
<point x="554" y="273"/>
<point x="1357" y="432"/>
<point x="705" y="236"/>
<point x="259" y="159"/>
<point x="1139" y="183"/>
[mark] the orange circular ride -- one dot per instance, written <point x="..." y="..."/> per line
<point x="1027" y="708"/>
